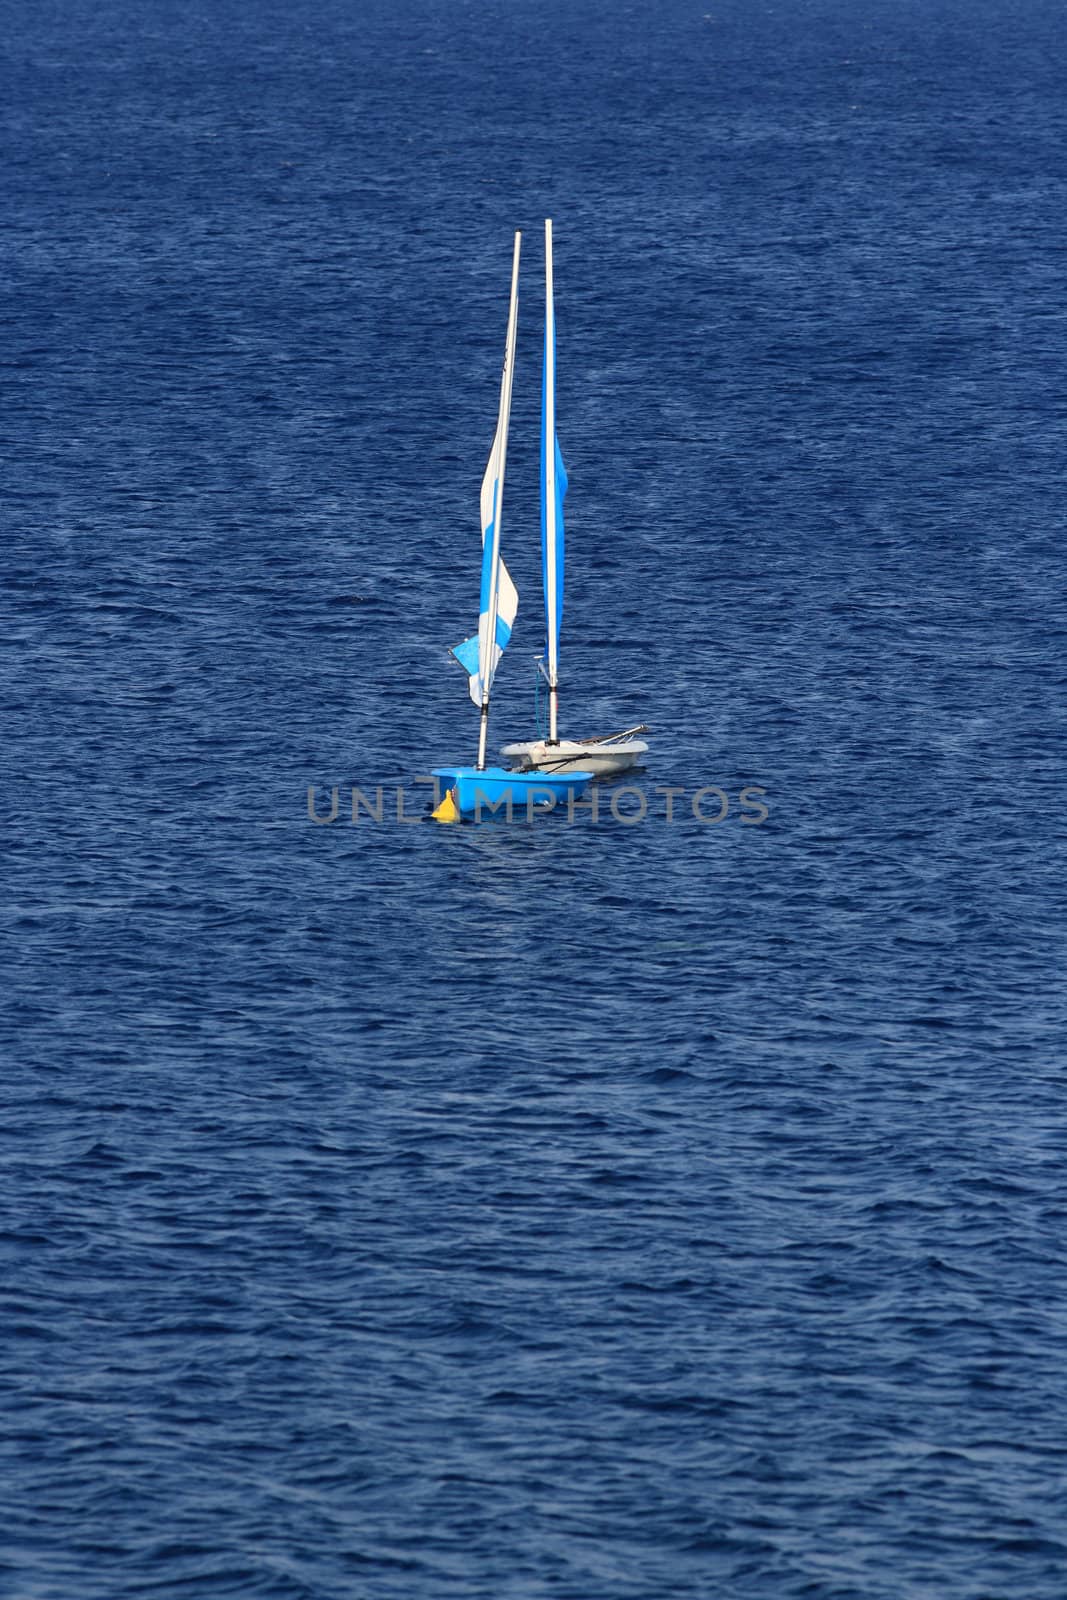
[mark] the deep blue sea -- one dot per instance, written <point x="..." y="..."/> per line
<point x="631" y="1207"/>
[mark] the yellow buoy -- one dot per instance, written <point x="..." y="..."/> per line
<point x="448" y="810"/>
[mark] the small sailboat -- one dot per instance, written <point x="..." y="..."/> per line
<point x="475" y="790"/>
<point x="611" y="752"/>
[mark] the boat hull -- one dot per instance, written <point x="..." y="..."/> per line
<point x="496" y="792"/>
<point x="576" y="755"/>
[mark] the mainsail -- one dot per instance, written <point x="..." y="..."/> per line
<point x="499" y="600"/>
<point x="553" y="488"/>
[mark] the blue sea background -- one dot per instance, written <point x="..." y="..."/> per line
<point x="614" y="1209"/>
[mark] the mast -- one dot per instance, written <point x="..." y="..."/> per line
<point x="488" y="649"/>
<point x="553" y="488"/>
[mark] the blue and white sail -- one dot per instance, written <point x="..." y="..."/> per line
<point x="473" y="654"/>
<point x="553" y="488"/>
<point x="498" y="600"/>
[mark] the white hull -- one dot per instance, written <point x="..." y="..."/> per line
<point x="599" y="757"/>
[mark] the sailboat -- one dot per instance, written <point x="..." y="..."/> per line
<point x="611" y="752"/>
<point x="474" y="790"/>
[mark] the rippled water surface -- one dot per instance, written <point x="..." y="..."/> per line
<point x="606" y="1209"/>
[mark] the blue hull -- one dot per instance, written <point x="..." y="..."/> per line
<point x="512" y="795"/>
